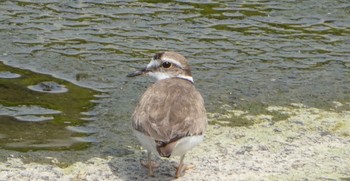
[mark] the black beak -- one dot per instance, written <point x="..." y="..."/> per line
<point x="138" y="72"/>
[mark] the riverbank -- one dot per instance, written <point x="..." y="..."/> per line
<point x="310" y="144"/>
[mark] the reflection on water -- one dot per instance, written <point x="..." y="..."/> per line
<point x="31" y="120"/>
<point x="246" y="54"/>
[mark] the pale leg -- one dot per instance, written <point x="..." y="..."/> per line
<point x="180" y="170"/>
<point x="149" y="164"/>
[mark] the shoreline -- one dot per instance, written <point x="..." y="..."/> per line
<point x="311" y="144"/>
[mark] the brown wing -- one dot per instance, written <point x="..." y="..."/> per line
<point x="169" y="110"/>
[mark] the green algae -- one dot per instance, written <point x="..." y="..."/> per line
<point x="252" y="114"/>
<point x="50" y="134"/>
<point x="332" y="121"/>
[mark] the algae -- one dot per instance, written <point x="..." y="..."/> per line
<point x="230" y="116"/>
<point x="48" y="134"/>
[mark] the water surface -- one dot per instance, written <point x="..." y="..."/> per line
<point x="246" y="54"/>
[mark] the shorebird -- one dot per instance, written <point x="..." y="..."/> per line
<point x="170" y="118"/>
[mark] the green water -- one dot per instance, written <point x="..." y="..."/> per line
<point x="22" y="109"/>
<point x="247" y="54"/>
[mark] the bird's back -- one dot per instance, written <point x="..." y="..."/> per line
<point x="169" y="110"/>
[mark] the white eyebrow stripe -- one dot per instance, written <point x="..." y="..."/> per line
<point x="166" y="59"/>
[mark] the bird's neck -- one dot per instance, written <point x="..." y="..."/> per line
<point x="186" y="77"/>
<point x="161" y="76"/>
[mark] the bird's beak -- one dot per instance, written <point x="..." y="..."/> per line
<point x="153" y="65"/>
<point x="138" y="72"/>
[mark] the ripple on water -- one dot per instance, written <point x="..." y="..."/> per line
<point x="49" y="143"/>
<point x="48" y="87"/>
<point x="26" y="110"/>
<point x="85" y="139"/>
<point x="32" y="118"/>
<point x="2" y="136"/>
<point x="8" y="75"/>
<point x="81" y="129"/>
<point x="23" y="110"/>
<point x="88" y="116"/>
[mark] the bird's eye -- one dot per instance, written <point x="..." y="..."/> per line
<point x="166" y="65"/>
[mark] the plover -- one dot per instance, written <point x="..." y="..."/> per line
<point x="170" y="118"/>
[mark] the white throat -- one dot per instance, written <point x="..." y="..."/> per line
<point x="159" y="75"/>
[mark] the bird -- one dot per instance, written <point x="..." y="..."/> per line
<point x="170" y="118"/>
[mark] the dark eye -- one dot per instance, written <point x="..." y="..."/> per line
<point x="166" y="65"/>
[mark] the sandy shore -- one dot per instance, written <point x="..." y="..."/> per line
<point x="311" y="144"/>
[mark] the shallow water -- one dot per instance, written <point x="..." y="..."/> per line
<point x="42" y="117"/>
<point x="246" y="54"/>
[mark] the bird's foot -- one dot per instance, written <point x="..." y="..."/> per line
<point x="150" y="165"/>
<point x="181" y="169"/>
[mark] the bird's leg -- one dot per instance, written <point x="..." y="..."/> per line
<point x="180" y="170"/>
<point x="149" y="164"/>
